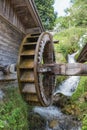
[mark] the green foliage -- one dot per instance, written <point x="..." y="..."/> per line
<point x="84" y="127"/>
<point x="78" y="13"/>
<point x="79" y="98"/>
<point x="60" y="58"/>
<point x="81" y="88"/>
<point x="46" y="12"/>
<point x="60" y="79"/>
<point x="69" y="30"/>
<point x="13" y="111"/>
<point x="68" y="40"/>
<point x="61" y="23"/>
<point x="77" y="16"/>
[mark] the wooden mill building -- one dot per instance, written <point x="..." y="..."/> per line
<point x="17" y="18"/>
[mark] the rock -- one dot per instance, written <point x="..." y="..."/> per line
<point x="60" y="100"/>
<point x="67" y="123"/>
<point x="51" y="118"/>
<point x="36" y="122"/>
<point x="71" y="110"/>
<point x="64" y="123"/>
<point x="53" y="123"/>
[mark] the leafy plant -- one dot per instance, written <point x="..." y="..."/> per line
<point x="46" y="12"/>
<point x="84" y="127"/>
<point x="13" y="111"/>
<point x="68" y="40"/>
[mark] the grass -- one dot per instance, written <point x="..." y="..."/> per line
<point x="13" y="111"/>
<point x="68" y="40"/>
<point x="80" y="99"/>
<point x="68" y="44"/>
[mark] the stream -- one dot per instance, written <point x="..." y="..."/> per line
<point x="55" y="119"/>
<point x="69" y="86"/>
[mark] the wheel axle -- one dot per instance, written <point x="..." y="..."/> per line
<point x="69" y="69"/>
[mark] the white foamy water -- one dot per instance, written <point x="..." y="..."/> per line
<point x="48" y="112"/>
<point x="69" y="86"/>
<point x="53" y="114"/>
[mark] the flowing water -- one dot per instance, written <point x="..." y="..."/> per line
<point x="69" y="86"/>
<point x="55" y="119"/>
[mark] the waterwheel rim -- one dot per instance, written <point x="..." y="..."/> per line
<point x="45" y="83"/>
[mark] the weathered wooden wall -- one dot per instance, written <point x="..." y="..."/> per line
<point x="17" y="18"/>
<point x="7" y="11"/>
<point x="10" y="40"/>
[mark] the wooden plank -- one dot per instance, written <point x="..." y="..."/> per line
<point x="33" y="30"/>
<point x="29" y="88"/>
<point x="69" y="69"/>
<point x="34" y="13"/>
<point x="10" y="77"/>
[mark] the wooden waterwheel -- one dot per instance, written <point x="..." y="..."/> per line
<point x="36" y="88"/>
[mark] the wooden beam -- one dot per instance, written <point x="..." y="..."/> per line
<point x="70" y="69"/>
<point x="33" y="10"/>
<point x="33" y="30"/>
<point x="10" y="77"/>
